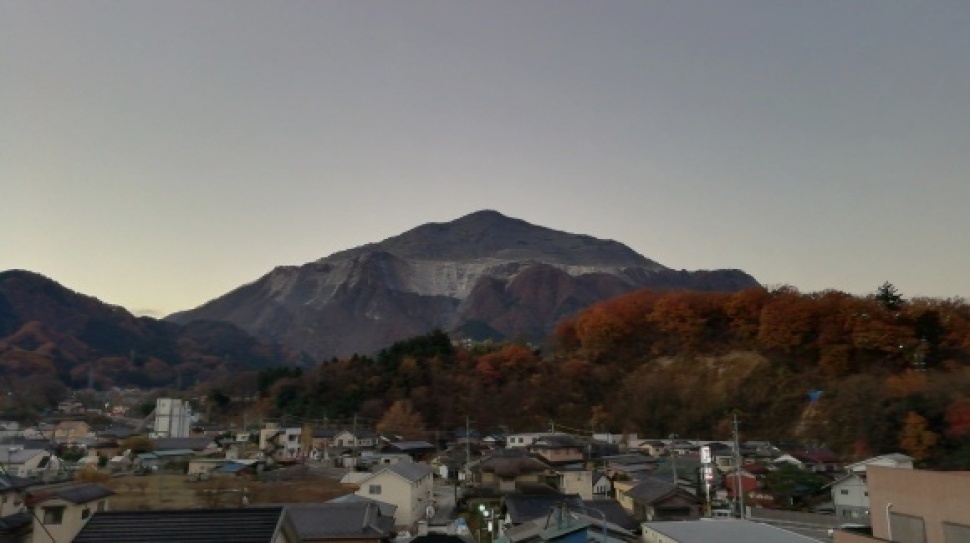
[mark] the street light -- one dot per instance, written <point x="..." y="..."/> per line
<point x="489" y="516"/>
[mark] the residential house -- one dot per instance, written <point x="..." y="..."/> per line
<point x="280" y="443"/>
<point x="557" y="449"/>
<point x="351" y="522"/>
<point x="200" y="468"/>
<point x="628" y="465"/>
<point x="168" y="459"/>
<point x="406" y="485"/>
<point x="70" y="407"/>
<point x="9" y="428"/>
<point x="817" y="459"/>
<point x="383" y="459"/>
<point x="15" y="519"/>
<point x="749" y="483"/>
<point x="200" y="446"/>
<point x="387" y="509"/>
<point x="520" y="508"/>
<point x="357" y="439"/>
<point x="237" y="468"/>
<point x="256" y="524"/>
<point x="588" y="484"/>
<point x="321" y="439"/>
<point x="37" y="463"/>
<point x="850" y="497"/>
<point x="892" y="460"/>
<point x="652" y="447"/>
<point x="850" y="493"/>
<point x="565" y="521"/>
<point x="654" y="499"/>
<point x="717" y="530"/>
<point x="59" y="514"/>
<point x="912" y="505"/>
<point x="523" y="440"/>
<point x="507" y="470"/>
<point x="69" y="431"/>
<point x="417" y="450"/>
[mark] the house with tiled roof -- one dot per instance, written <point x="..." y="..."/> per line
<point x="507" y="469"/>
<point x="558" y="449"/>
<point x="256" y="524"/>
<point x="417" y="450"/>
<point x="61" y="512"/>
<point x="406" y="485"/>
<point x="15" y="520"/>
<point x="359" y="522"/>
<point x="656" y="499"/>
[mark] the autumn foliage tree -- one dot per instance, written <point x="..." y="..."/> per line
<point x="401" y="419"/>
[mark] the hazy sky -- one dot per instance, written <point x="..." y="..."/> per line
<point x="157" y="154"/>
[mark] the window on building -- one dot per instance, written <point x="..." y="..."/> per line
<point x="374" y="489"/>
<point x="53" y="515"/>
<point x="102" y="505"/>
<point x="85" y="513"/>
<point x="844" y="491"/>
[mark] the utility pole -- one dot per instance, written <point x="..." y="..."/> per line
<point x="739" y="489"/>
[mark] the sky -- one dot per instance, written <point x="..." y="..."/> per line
<point x="158" y="154"/>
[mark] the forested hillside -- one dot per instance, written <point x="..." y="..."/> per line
<point x="861" y="374"/>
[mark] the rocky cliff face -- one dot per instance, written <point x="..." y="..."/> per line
<point x="483" y="275"/>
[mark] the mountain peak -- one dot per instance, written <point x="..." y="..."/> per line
<point x="488" y="234"/>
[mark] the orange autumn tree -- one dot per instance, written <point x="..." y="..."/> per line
<point x="915" y="437"/>
<point x="401" y="419"/>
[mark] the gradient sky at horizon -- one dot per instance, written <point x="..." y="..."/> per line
<point x="157" y="154"/>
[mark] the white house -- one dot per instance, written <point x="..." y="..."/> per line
<point x="893" y="460"/>
<point x="30" y="463"/>
<point x="850" y="496"/>
<point x="60" y="514"/>
<point x="407" y="485"/>
<point x="850" y="493"/>
<point x="280" y="443"/>
<point x="588" y="484"/>
<point x="362" y="439"/>
<point x="513" y="441"/>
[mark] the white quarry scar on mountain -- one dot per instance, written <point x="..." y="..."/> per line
<point x="423" y="277"/>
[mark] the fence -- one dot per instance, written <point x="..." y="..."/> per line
<point x="815" y="519"/>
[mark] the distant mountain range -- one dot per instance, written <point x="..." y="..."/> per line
<point x="481" y="276"/>
<point x="49" y="330"/>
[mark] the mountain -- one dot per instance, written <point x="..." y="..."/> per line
<point x="47" y="329"/>
<point x="481" y="276"/>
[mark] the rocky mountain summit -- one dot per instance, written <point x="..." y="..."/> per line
<point x="481" y="276"/>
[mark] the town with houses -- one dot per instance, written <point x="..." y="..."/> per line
<point x="460" y="486"/>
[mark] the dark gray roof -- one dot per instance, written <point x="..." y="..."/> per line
<point x="651" y="490"/>
<point x="245" y="525"/>
<point x="412" y="471"/>
<point x="614" y="513"/>
<point x="12" y="523"/>
<point x="78" y="494"/>
<point x="387" y="509"/>
<point x="13" y="482"/>
<point x="340" y="520"/>
<point x="525" y="507"/>
<point x="325" y="432"/>
<point x="193" y="443"/>
<point x="512" y="466"/>
<point x="411" y="445"/>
